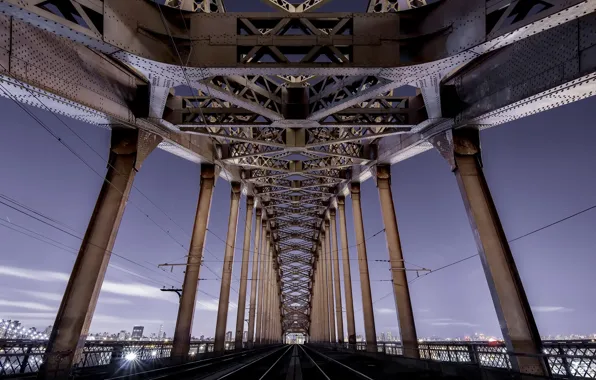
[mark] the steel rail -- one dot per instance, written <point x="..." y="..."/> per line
<point x="341" y="364"/>
<point x="253" y="362"/>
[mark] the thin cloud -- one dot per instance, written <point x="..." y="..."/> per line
<point x="385" y="310"/>
<point x="213" y="305"/>
<point x="136" y="290"/>
<point x="133" y="289"/>
<point x="43" y="295"/>
<point x="123" y="321"/>
<point x="551" y="309"/>
<point x="26" y="305"/>
<point x="124" y="270"/>
<point x="23" y="315"/>
<point x="454" y="323"/>
<point x="433" y="320"/>
<point x="447" y="322"/>
<point x="57" y="297"/>
<point x="113" y="301"/>
<point x="33" y="274"/>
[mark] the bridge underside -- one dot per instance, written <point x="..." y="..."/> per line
<point x="296" y="106"/>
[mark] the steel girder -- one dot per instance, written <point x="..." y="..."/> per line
<point x="239" y="66"/>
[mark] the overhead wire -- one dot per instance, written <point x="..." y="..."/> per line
<point x="61" y="141"/>
<point x="41" y="220"/>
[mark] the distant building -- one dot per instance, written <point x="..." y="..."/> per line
<point x="229" y="336"/>
<point x="163" y="336"/>
<point x="245" y="336"/>
<point x="122" y="335"/>
<point x="202" y="337"/>
<point x="137" y="332"/>
<point x="48" y="330"/>
<point x="159" y="333"/>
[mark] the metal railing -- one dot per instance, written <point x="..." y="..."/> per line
<point x="26" y="356"/>
<point x="566" y="359"/>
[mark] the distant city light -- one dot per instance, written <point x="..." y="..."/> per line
<point x="131" y="356"/>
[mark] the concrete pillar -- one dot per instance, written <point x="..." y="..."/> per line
<point x="401" y="291"/>
<point x="343" y="233"/>
<point x="317" y="318"/>
<point x="254" y="282"/>
<point x="267" y="297"/>
<point x="226" y="274"/>
<point x="128" y="150"/>
<point x="312" y="331"/>
<point x="507" y="291"/>
<point x="329" y="267"/>
<point x="244" y="273"/>
<point x="336" y="277"/>
<point x="324" y="290"/>
<point x="261" y="285"/>
<point x="186" y="309"/>
<point x="367" y="307"/>
<point x="270" y="280"/>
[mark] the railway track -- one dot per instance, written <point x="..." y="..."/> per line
<point x="201" y="369"/>
<point x="295" y="363"/>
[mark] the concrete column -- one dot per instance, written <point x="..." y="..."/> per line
<point x="401" y="291"/>
<point x="343" y="233"/>
<point x="268" y="293"/>
<point x="127" y="151"/>
<point x="226" y="274"/>
<point x="261" y="285"/>
<point x="369" y="318"/>
<point x="335" y="256"/>
<point x="254" y="282"/>
<point x="317" y="320"/>
<point x="244" y="273"/>
<point x="312" y="330"/>
<point x="324" y="289"/>
<point x="329" y="267"/>
<point x="507" y="291"/>
<point x="267" y="298"/>
<point x="186" y="309"/>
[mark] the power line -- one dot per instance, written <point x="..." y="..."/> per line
<point x="512" y="240"/>
<point x="34" y="117"/>
<point x="39" y="219"/>
<point x="40" y="237"/>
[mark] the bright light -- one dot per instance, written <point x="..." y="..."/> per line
<point x="154" y="353"/>
<point x="130" y="356"/>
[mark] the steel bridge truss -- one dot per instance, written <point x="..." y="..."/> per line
<point x="298" y="104"/>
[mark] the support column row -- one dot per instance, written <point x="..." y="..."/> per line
<point x="128" y="150"/>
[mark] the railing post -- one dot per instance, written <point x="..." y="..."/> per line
<point x="472" y="352"/>
<point x="26" y="359"/>
<point x="563" y="355"/>
<point x="117" y="354"/>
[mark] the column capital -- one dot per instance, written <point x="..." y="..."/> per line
<point x="466" y="141"/>
<point x="250" y="201"/>
<point x="236" y="187"/>
<point x="207" y="171"/>
<point x="327" y="223"/>
<point x="384" y="172"/>
<point x="341" y="200"/>
<point x="355" y="190"/>
<point x="258" y="212"/>
<point x="332" y="212"/>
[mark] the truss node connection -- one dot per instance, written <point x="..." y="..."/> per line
<point x="295" y="105"/>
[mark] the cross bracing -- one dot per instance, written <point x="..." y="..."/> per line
<point x="296" y="104"/>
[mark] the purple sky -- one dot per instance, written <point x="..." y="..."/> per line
<point x="539" y="169"/>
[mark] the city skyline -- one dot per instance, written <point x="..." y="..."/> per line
<point x="519" y="164"/>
